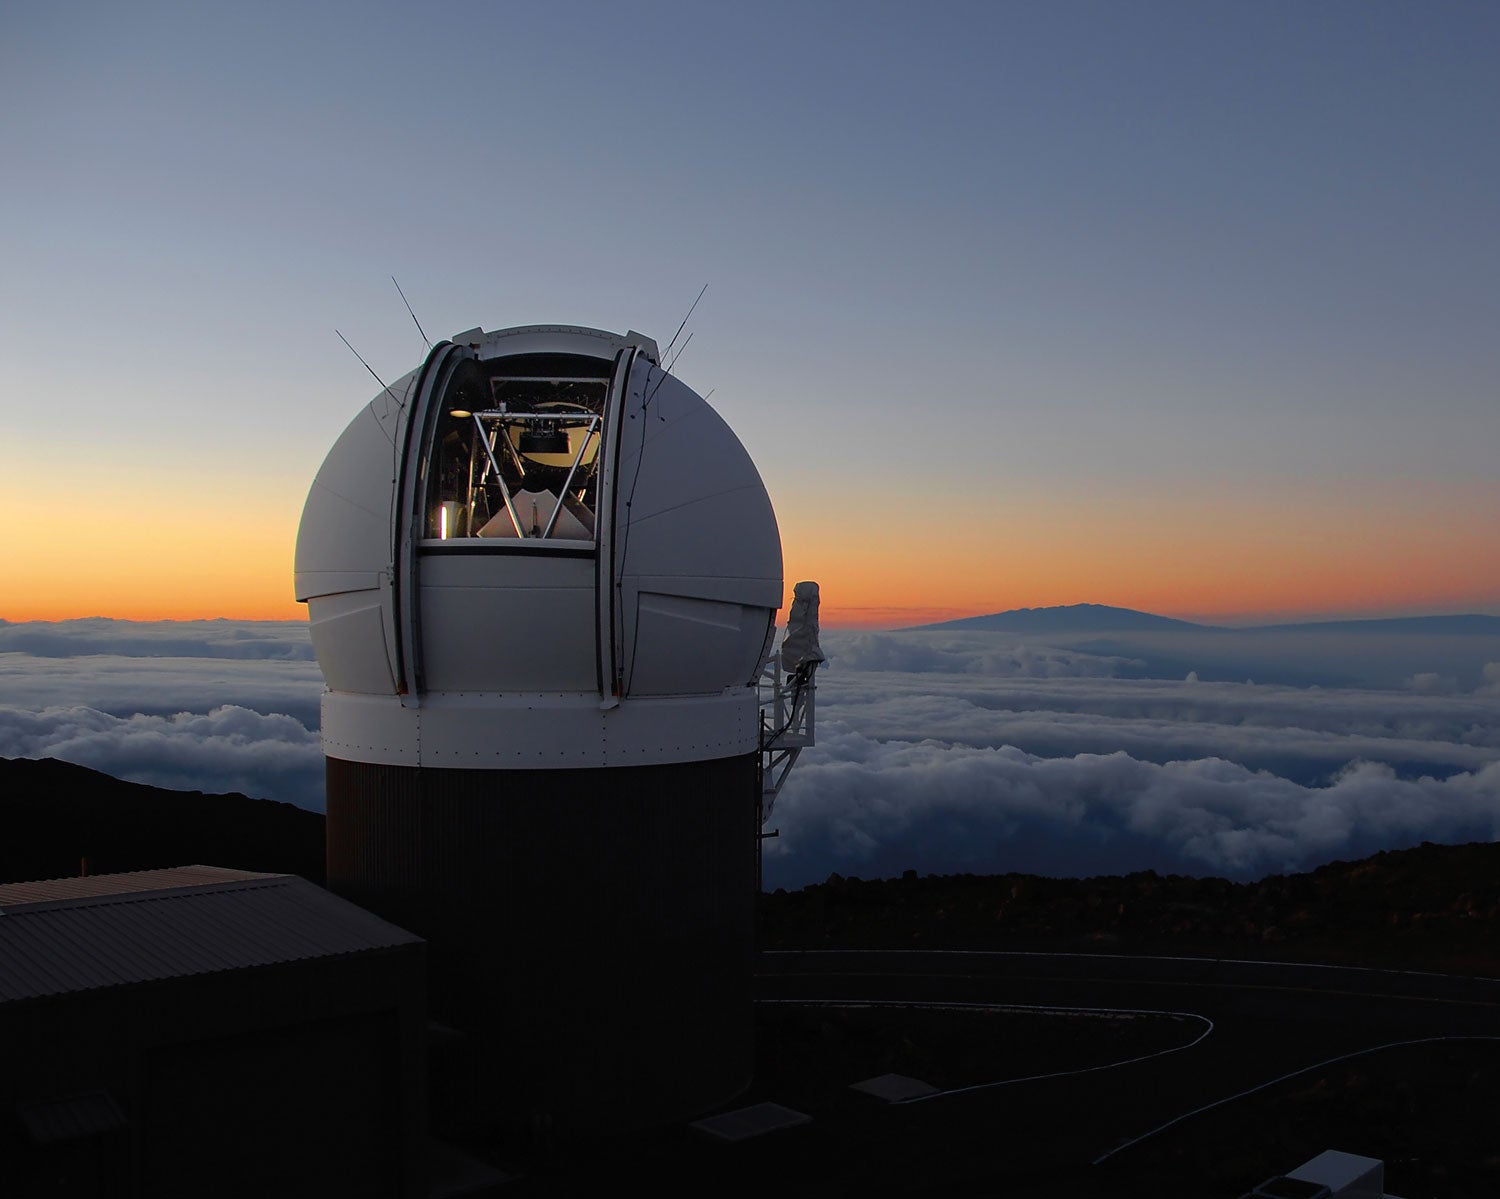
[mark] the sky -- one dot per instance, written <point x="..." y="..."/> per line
<point x="1186" y="307"/>
<point x="940" y="752"/>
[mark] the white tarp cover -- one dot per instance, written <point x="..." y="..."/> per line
<point x="534" y="508"/>
<point x="800" y="645"/>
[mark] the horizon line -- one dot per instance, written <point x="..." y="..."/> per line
<point x="872" y="618"/>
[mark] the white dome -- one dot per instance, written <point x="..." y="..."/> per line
<point x="539" y="549"/>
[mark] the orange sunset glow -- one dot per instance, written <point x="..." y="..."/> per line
<point x="1295" y="555"/>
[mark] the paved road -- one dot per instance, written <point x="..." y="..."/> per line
<point x="1268" y="1020"/>
<point x="1041" y="1136"/>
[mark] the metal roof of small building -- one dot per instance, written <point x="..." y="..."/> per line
<point x="94" y="885"/>
<point x="80" y="934"/>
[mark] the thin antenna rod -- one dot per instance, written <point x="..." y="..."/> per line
<point x="666" y="373"/>
<point x="683" y="326"/>
<point x="678" y="355"/>
<point x="667" y="369"/>
<point x="363" y="363"/>
<point x="414" y="319"/>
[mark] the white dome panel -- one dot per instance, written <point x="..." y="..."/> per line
<point x="348" y="637"/>
<point x="731" y="535"/>
<point x="511" y="623"/>
<point x="686" y="645"/>
<point x="346" y="521"/>
<point x="545" y="514"/>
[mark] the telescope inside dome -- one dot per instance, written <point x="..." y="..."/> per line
<point x="515" y="449"/>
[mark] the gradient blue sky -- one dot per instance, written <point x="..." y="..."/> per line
<point x="1181" y="306"/>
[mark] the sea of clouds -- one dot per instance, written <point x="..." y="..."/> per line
<point x="1237" y="754"/>
<point x="210" y="705"/>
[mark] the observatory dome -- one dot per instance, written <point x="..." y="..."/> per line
<point x="539" y="550"/>
<point x="542" y="578"/>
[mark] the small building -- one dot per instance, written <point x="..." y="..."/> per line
<point x="203" y="1031"/>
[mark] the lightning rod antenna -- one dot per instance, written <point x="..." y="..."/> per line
<point x="678" y="355"/>
<point x="414" y="319"/>
<point x="667" y="369"/>
<point x="683" y="326"/>
<point x="383" y="386"/>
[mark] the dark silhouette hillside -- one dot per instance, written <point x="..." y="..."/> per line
<point x="1434" y="907"/>
<point x="61" y="820"/>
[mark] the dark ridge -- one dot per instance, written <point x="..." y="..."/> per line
<point x="1435" y="907"/>
<point x="1451" y="625"/>
<point x="61" y="819"/>
<point x="1067" y="618"/>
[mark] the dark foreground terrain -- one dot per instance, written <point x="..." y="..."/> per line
<point x="1433" y="907"/>
<point x="61" y="820"/>
<point x="959" y="983"/>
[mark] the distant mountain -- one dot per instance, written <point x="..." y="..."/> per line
<point x="1067" y="618"/>
<point x="1101" y="618"/>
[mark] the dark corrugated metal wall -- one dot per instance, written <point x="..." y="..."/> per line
<point x="591" y="930"/>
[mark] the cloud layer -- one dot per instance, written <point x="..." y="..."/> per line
<point x="234" y="640"/>
<point x="229" y="748"/>
<point x="875" y="808"/>
<point x="990" y="752"/>
<point x="206" y="705"/>
<point x="936" y="752"/>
